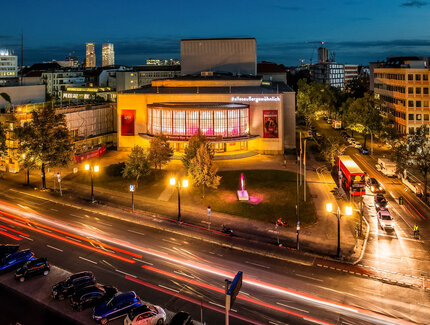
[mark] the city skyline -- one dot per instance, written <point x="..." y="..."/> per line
<point x="358" y="32"/>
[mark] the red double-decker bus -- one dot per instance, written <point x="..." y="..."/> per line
<point x="352" y="177"/>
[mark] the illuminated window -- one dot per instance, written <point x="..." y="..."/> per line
<point x="166" y="122"/>
<point x="220" y="123"/>
<point x="233" y="123"/>
<point x="156" y="121"/>
<point x="206" y="122"/>
<point x="192" y="122"/>
<point x="244" y="119"/>
<point x="178" y="122"/>
<point x="150" y="121"/>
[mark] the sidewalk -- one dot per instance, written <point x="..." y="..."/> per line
<point x="320" y="238"/>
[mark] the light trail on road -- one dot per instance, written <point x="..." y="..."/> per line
<point x="320" y="302"/>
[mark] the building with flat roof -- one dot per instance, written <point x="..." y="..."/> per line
<point x="351" y="72"/>
<point x="57" y="81"/>
<point x="328" y="73"/>
<point x="226" y="55"/>
<point x="90" y="55"/>
<point x="235" y="113"/>
<point x="402" y="83"/>
<point x="108" y="55"/>
<point x="8" y="68"/>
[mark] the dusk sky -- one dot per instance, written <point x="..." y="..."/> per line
<point x="286" y="31"/>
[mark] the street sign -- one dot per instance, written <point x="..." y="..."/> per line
<point x="234" y="289"/>
<point x="298" y="225"/>
<point x="209" y="211"/>
<point x="131" y="188"/>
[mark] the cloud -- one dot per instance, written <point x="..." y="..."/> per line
<point x="414" y="3"/>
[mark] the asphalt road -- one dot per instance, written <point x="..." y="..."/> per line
<point x="180" y="273"/>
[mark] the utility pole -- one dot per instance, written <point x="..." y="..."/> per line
<point x="361" y="214"/>
<point x="304" y="172"/>
<point x="300" y="158"/>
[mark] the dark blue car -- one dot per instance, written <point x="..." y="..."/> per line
<point x="116" y="307"/>
<point x="15" y="260"/>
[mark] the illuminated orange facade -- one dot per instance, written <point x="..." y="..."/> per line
<point x="234" y="113"/>
<point x="405" y="93"/>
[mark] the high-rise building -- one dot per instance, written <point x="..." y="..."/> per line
<point x="322" y="54"/>
<point x="8" y="68"/>
<point x="108" y="54"/>
<point x="402" y="83"/>
<point x="90" y="61"/>
<point x="329" y="73"/>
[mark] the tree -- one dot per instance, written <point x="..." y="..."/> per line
<point x="46" y="139"/>
<point x="159" y="152"/>
<point x="193" y="146"/>
<point x="331" y="148"/>
<point x="363" y="115"/>
<point x="137" y="165"/>
<point x="202" y="169"/>
<point x="315" y="99"/>
<point x="414" y="152"/>
<point x="359" y="86"/>
<point x="3" y="147"/>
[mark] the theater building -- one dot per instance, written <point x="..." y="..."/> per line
<point x="235" y="113"/>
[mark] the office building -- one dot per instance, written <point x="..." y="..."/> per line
<point x="59" y="80"/>
<point x="108" y="55"/>
<point x="402" y="83"/>
<point x="237" y="56"/>
<point x="90" y="61"/>
<point x="328" y="73"/>
<point x="235" y="113"/>
<point x="148" y="73"/>
<point x="159" y="62"/>
<point x="8" y="68"/>
<point x="351" y="72"/>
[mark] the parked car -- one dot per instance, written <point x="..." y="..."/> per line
<point x="119" y="305"/>
<point x="32" y="268"/>
<point x="91" y="296"/>
<point x="357" y="145"/>
<point x="181" y="318"/>
<point x="385" y="220"/>
<point x="145" y="314"/>
<point x="7" y="249"/>
<point x="374" y="185"/>
<point x="363" y="151"/>
<point x="74" y="283"/>
<point x="381" y="202"/>
<point x="351" y="140"/>
<point x="15" y="260"/>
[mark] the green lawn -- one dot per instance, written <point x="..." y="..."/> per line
<point x="275" y="188"/>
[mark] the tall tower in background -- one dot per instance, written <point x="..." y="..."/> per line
<point x="322" y="54"/>
<point x="90" y="61"/>
<point x="108" y="54"/>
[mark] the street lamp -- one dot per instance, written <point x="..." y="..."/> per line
<point x="348" y="212"/>
<point x="179" y="185"/>
<point x="92" y="169"/>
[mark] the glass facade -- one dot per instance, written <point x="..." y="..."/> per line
<point x="219" y="122"/>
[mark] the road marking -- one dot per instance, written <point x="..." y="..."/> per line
<point x="309" y="277"/>
<point x="341" y="292"/>
<point x="42" y="229"/>
<point x="171" y="242"/>
<point x="127" y="274"/>
<point x="103" y="223"/>
<point x="264" y="266"/>
<point x="303" y="310"/>
<point x="57" y="249"/>
<point x="86" y="215"/>
<point x="85" y="259"/>
<point x="215" y="304"/>
<point x="142" y="261"/>
<point x="54" y="209"/>
<point x="22" y="206"/>
<point x="75" y="215"/>
<point x="26" y="237"/>
<point x="80" y="241"/>
<point x="177" y="291"/>
<point x="135" y="232"/>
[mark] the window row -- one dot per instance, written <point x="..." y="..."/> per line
<point x="418" y="77"/>
<point x="418" y="90"/>
<point x="398" y="89"/>
<point x="224" y="123"/>
<point x="418" y="103"/>
<point x="418" y="117"/>
<point x="392" y="76"/>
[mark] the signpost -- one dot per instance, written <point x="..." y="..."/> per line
<point x="231" y="291"/>
<point x="298" y="231"/>
<point x="209" y="217"/>
<point x="132" y="197"/>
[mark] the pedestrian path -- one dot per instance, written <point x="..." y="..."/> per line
<point x="166" y="194"/>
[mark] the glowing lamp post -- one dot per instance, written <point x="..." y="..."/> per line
<point x="348" y="212"/>
<point x="178" y="184"/>
<point x="92" y="169"/>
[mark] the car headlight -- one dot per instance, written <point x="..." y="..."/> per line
<point x="372" y="188"/>
<point x="380" y="187"/>
<point x="386" y="205"/>
<point x="377" y="205"/>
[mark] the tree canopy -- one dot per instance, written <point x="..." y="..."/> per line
<point x="45" y="139"/>
<point x="315" y="99"/>
<point x="159" y="152"/>
<point x="202" y="169"/>
<point x="190" y="152"/>
<point x="137" y="165"/>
